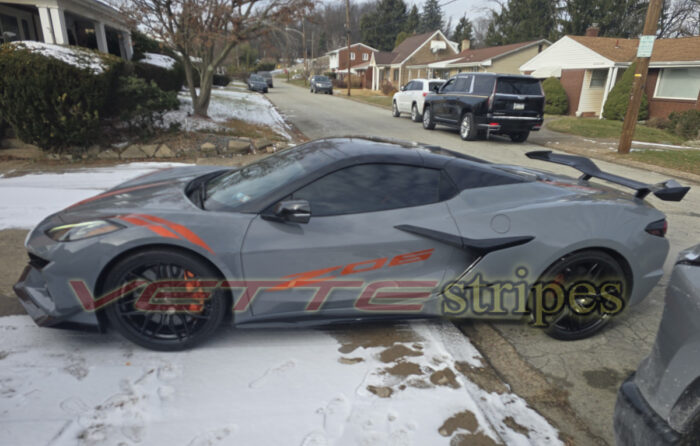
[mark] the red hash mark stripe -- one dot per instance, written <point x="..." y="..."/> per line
<point x="166" y="228"/>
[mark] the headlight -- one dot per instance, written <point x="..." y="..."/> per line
<point x="79" y="231"/>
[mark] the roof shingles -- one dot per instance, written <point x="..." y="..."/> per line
<point x="683" y="49"/>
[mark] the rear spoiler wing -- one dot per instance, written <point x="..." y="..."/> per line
<point x="669" y="190"/>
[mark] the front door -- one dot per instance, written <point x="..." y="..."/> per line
<point x="352" y="237"/>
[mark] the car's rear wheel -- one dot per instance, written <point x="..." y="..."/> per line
<point x="415" y="116"/>
<point x="467" y="127"/>
<point x="168" y="329"/>
<point x="519" y="136"/>
<point x="428" y="122"/>
<point x="590" y="266"/>
<point x="395" y="110"/>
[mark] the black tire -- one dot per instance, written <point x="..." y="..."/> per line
<point x="467" y="127"/>
<point x="519" y="136"/>
<point x="415" y="116"/>
<point x="428" y="121"/>
<point x="164" y="331"/>
<point x="395" y="110"/>
<point x="592" y="265"/>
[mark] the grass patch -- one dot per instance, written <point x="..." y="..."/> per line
<point x="603" y="128"/>
<point x="683" y="160"/>
<point x="297" y="82"/>
<point x="367" y="96"/>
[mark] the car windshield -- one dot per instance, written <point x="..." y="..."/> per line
<point x="229" y="191"/>
<point x="257" y="78"/>
<point x="321" y="79"/>
<point x="514" y="85"/>
<point x="265" y="74"/>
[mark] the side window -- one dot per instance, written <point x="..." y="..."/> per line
<point x="417" y="86"/>
<point x="370" y="188"/>
<point x="409" y="86"/>
<point x="483" y="85"/>
<point x="463" y="84"/>
<point x="449" y="86"/>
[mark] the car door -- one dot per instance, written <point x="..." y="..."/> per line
<point x="416" y="94"/>
<point x="404" y="101"/>
<point x="352" y="235"/>
<point x="453" y="101"/>
<point x="440" y="110"/>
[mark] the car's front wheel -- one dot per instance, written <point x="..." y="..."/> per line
<point x="467" y="127"/>
<point x="583" y="311"/>
<point x="428" y="122"/>
<point x="415" y="116"/>
<point x="170" y="324"/>
<point x="519" y="136"/>
<point x="395" y="110"/>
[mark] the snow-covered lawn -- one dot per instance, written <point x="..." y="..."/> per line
<point x="26" y="200"/>
<point x="248" y="387"/>
<point x="406" y="385"/>
<point x="229" y="103"/>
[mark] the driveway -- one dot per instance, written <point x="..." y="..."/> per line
<point x="589" y="371"/>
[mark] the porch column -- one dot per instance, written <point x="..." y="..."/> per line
<point x="127" y="45"/>
<point x="609" y="83"/>
<point x="58" y="21"/>
<point x="46" y="27"/>
<point x="101" y="37"/>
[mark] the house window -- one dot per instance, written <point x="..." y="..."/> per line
<point x="678" y="83"/>
<point x="352" y="56"/>
<point x="598" y="78"/>
<point x="396" y="75"/>
<point x="9" y="29"/>
<point x="365" y="56"/>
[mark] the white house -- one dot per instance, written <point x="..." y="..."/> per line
<point x="590" y="66"/>
<point x="86" y="23"/>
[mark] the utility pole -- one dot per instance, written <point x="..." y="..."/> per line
<point x="347" y="29"/>
<point x="640" y="75"/>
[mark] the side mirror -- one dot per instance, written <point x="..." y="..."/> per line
<point x="295" y="211"/>
<point x="403" y="88"/>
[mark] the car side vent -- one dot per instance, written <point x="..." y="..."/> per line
<point x="37" y="262"/>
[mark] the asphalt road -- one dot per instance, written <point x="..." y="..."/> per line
<point x="590" y="370"/>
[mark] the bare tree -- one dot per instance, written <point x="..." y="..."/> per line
<point x="680" y="18"/>
<point x="203" y="32"/>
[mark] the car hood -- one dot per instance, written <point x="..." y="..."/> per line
<point x="160" y="190"/>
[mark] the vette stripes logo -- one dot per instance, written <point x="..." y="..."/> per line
<point x="165" y="228"/>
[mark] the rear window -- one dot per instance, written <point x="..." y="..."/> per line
<point x="507" y="85"/>
<point x="432" y="85"/>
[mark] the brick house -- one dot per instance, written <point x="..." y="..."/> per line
<point x="494" y="59"/>
<point x="589" y="66"/>
<point x="360" y="54"/>
<point x="418" y="50"/>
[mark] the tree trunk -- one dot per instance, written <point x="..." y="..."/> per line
<point x="201" y="105"/>
<point x="190" y="77"/>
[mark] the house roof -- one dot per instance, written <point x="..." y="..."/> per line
<point x="354" y="44"/>
<point x="482" y="54"/>
<point x="406" y="49"/>
<point x="625" y="50"/>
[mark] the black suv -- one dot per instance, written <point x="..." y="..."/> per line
<point x="487" y="103"/>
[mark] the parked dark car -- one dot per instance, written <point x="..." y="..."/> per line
<point x="267" y="75"/>
<point x="321" y="84"/>
<point x="479" y="104"/>
<point x="660" y="403"/>
<point x="257" y="83"/>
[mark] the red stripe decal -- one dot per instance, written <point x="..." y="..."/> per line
<point x="161" y="231"/>
<point x="181" y="230"/>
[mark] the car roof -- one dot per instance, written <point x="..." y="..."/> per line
<point x="521" y="76"/>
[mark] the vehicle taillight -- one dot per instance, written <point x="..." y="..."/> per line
<point x="657" y="228"/>
<point x="425" y="93"/>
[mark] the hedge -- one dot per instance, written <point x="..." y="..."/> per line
<point x="556" y="102"/>
<point x="686" y="124"/>
<point x="54" y="104"/>
<point x="167" y="80"/>
<point x="619" y="98"/>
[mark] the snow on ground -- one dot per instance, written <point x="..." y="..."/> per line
<point x="229" y="103"/>
<point x="26" y="200"/>
<point x="248" y="386"/>
<point x="71" y="55"/>
<point x="158" y="60"/>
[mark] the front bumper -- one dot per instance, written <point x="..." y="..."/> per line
<point x="636" y="423"/>
<point x="323" y="89"/>
<point x="33" y="293"/>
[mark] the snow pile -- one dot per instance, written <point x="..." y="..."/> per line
<point x="159" y="60"/>
<point x="228" y="104"/>
<point x="26" y="200"/>
<point x="248" y="386"/>
<point x="76" y="57"/>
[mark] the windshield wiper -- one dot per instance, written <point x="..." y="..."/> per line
<point x="202" y="193"/>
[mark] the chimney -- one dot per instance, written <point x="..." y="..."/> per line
<point x="466" y="44"/>
<point x="592" y="30"/>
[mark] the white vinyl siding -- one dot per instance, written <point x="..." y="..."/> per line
<point x="566" y="54"/>
<point x="591" y="98"/>
<point x="678" y="83"/>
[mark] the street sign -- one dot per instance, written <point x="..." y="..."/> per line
<point x="646" y="45"/>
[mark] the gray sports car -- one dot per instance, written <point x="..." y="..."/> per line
<point x="343" y="229"/>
